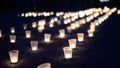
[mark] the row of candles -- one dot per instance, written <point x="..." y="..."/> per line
<point x="35" y="14"/>
<point x="68" y="17"/>
<point x="81" y="13"/>
<point x="47" y="37"/>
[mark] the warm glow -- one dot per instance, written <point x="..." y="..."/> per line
<point x="34" y="24"/>
<point x="41" y="28"/>
<point x="90" y="33"/>
<point x="72" y="43"/>
<point x="69" y="29"/>
<point x="41" y="22"/>
<point x="62" y="33"/>
<point x="28" y="33"/>
<point x="67" y="52"/>
<point x="51" y="24"/>
<point x="12" y="29"/>
<point x="24" y="26"/>
<point x="80" y="36"/>
<point x="13" y="56"/>
<point x="47" y="37"/>
<point x="34" y="45"/>
<point x="12" y="38"/>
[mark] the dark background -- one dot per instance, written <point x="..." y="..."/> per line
<point x="101" y="51"/>
<point x="7" y="6"/>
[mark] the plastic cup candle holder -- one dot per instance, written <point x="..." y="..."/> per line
<point x="67" y="52"/>
<point x="24" y="26"/>
<point x="47" y="37"/>
<point x="12" y="29"/>
<point x="72" y="43"/>
<point x="28" y="33"/>
<point x="12" y="38"/>
<point x="80" y="37"/>
<point x="13" y="54"/>
<point x="61" y="33"/>
<point x="34" y="45"/>
<point x="90" y="33"/>
<point x="34" y="24"/>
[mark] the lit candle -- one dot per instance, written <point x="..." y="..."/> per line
<point x="62" y="33"/>
<point x="24" y="26"/>
<point x="72" y="43"/>
<point x="12" y="38"/>
<point x="28" y="33"/>
<point x="13" y="56"/>
<point x="67" y="52"/>
<point x="80" y="36"/>
<point x="47" y="37"/>
<point x="51" y="24"/>
<point x="41" y="28"/>
<point x="12" y="29"/>
<point x="34" y="24"/>
<point x="34" y="45"/>
<point x="69" y="29"/>
<point x="90" y="33"/>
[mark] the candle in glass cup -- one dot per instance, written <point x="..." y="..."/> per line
<point x="72" y="43"/>
<point x="34" y="24"/>
<point x="90" y="33"/>
<point x="24" y="26"/>
<point x="12" y="29"/>
<point x="47" y="37"/>
<point x="67" y="52"/>
<point x="12" y="38"/>
<point x="13" y="54"/>
<point x="41" y="28"/>
<point x="61" y="33"/>
<point x="51" y="24"/>
<point x="80" y="36"/>
<point x="34" y="45"/>
<point x="45" y="65"/>
<point x="69" y="29"/>
<point x="28" y="33"/>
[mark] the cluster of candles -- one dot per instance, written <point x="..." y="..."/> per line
<point x="118" y="12"/>
<point x="69" y="17"/>
<point x="35" y="14"/>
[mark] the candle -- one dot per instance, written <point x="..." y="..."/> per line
<point x="90" y="33"/>
<point x="24" y="26"/>
<point x="62" y="33"/>
<point x="41" y="28"/>
<point x="12" y="38"/>
<point x="34" y="24"/>
<point x="34" y="45"/>
<point x="47" y="37"/>
<point x="67" y="52"/>
<point x="28" y="33"/>
<point x="13" y="56"/>
<point x="72" y="43"/>
<point x="80" y="36"/>
<point x="12" y="29"/>
<point x="69" y="29"/>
